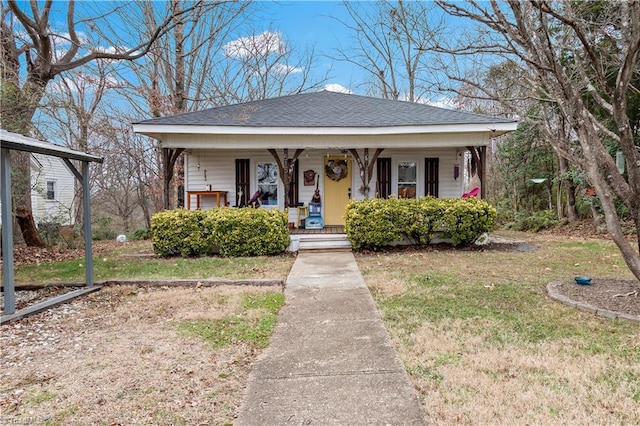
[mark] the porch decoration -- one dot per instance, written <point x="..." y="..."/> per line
<point x="582" y="280"/>
<point x="314" y="218"/>
<point x="309" y="177"/>
<point x="336" y="169"/>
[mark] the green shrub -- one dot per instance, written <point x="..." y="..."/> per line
<point x="234" y="232"/>
<point x="249" y="232"/>
<point x="376" y="223"/>
<point x="372" y="223"/>
<point x="141" y="234"/>
<point x="101" y="229"/>
<point x="466" y="219"/>
<point x="50" y="232"/>
<point x="534" y="221"/>
<point x="428" y="218"/>
<point x="181" y="232"/>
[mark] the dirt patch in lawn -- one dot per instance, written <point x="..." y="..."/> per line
<point x="612" y="294"/>
<point x="117" y="357"/>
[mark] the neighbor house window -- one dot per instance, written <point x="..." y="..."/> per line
<point x="268" y="183"/>
<point x="407" y="179"/>
<point x="51" y="190"/>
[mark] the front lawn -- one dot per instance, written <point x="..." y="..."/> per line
<point x="484" y="344"/>
<point x="136" y="261"/>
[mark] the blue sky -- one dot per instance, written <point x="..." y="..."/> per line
<point x="316" y="24"/>
<point x="313" y="24"/>
<point x="304" y="25"/>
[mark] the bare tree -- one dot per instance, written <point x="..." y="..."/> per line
<point x="393" y="43"/>
<point x="581" y="61"/>
<point x="70" y="109"/>
<point x="262" y="66"/>
<point x="128" y="182"/>
<point x="173" y="77"/>
<point x="33" y="52"/>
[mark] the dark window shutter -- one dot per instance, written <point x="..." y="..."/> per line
<point x="431" y="176"/>
<point x="293" y="187"/>
<point x="383" y="185"/>
<point x="243" y="184"/>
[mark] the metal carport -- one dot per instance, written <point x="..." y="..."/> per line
<point x="15" y="142"/>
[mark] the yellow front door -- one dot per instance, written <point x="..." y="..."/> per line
<point x="337" y="189"/>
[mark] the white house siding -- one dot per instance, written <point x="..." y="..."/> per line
<point x="219" y="165"/>
<point x="61" y="209"/>
<point x="45" y="168"/>
<point x="217" y="169"/>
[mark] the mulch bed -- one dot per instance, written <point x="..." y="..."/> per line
<point x="612" y="294"/>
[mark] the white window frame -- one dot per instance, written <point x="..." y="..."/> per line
<point x="270" y="181"/>
<point x="400" y="183"/>
<point x="53" y="190"/>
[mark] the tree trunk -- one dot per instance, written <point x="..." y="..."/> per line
<point x="27" y="225"/>
<point x="16" y="112"/>
<point x="572" y="213"/>
<point x="169" y="158"/>
<point x="21" y="198"/>
<point x="565" y="185"/>
<point x="607" y="199"/>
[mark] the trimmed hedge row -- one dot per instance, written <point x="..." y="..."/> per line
<point x="234" y="232"/>
<point x="376" y="222"/>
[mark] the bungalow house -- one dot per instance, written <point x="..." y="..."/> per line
<point x="340" y="146"/>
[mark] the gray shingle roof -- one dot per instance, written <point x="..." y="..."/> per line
<point x="325" y="109"/>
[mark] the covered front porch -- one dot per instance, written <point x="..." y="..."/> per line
<point x="331" y="177"/>
<point x="332" y="147"/>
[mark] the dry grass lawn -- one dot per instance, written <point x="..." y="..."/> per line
<point x="118" y="357"/>
<point x="483" y="344"/>
<point x="480" y="338"/>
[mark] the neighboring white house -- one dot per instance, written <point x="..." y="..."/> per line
<point x="346" y="146"/>
<point x="52" y="190"/>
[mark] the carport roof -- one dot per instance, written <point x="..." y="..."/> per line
<point x="18" y="142"/>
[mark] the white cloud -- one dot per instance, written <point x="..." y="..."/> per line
<point x="335" y="87"/>
<point x="110" y="49"/>
<point x="81" y="82"/>
<point x="442" y="102"/>
<point x="286" y="69"/>
<point x="255" y="45"/>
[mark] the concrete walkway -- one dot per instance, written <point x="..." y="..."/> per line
<point x="330" y="361"/>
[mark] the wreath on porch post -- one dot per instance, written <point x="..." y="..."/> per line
<point x="336" y="169"/>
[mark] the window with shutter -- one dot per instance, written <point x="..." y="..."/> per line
<point x="431" y="176"/>
<point x="383" y="184"/>
<point x="243" y="183"/>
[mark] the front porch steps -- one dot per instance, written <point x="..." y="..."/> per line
<point x="319" y="242"/>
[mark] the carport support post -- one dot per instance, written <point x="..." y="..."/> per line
<point x="86" y="212"/>
<point x="7" y="235"/>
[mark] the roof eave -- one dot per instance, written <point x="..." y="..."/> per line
<point x="157" y="131"/>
